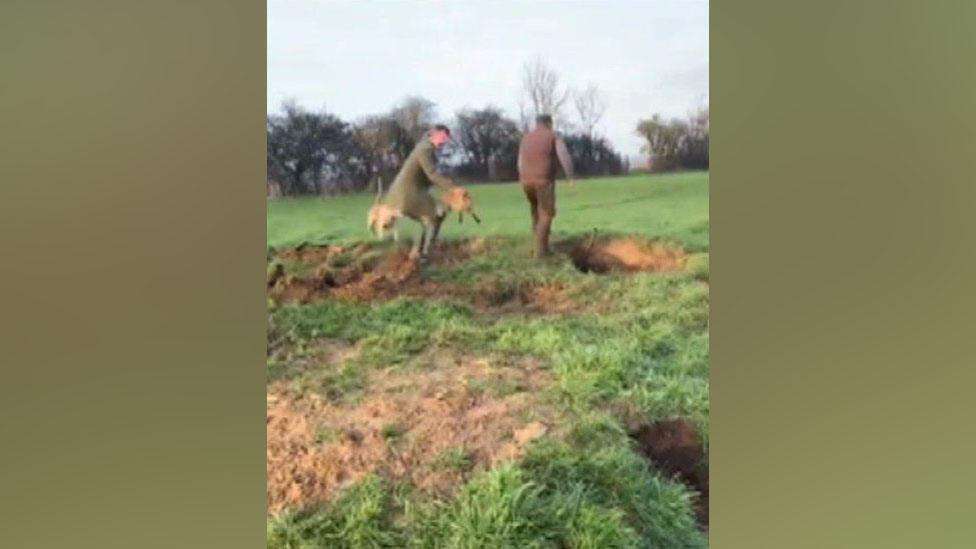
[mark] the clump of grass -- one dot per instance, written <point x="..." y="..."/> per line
<point x="497" y="387"/>
<point x="698" y="266"/>
<point x="614" y="482"/>
<point x="392" y="431"/>
<point x="496" y="509"/>
<point x="343" y="383"/>
<point x="359" y="518"/>
<point x="325" y="434"/>
<point x="559" y="498"/>
<point x="454" y="459"/>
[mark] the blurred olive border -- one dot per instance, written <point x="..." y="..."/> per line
<point x="132" y="161"/>
<point x="841" y="318"/>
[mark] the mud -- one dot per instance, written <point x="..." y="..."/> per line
<point x="674" y="447"/>
<point x="626" y="255"/>
<point x="307" y="253"/>
<point x="406" y="426"/>
<point x="370" y="275"/>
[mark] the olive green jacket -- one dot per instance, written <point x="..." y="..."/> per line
<point x="409" y="191"/>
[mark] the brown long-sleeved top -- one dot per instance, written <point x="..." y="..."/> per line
<point x="539" y="152"/>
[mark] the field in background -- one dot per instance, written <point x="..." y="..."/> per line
<point x="662" y="206"/>
<point x="488" y="399"/>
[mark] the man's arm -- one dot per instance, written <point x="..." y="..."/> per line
<point x="567" y="161"/>
<point x="442" y="181"/>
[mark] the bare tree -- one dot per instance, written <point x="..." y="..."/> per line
<point x="677" y="143"/>
<point x="542" y="91"/>
<point x="524" y="121"/>
<point x="311" y="152"/>
<point x="415" y="115"/>
<point x="590" y="107"/>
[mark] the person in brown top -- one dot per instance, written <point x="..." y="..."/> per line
<point x="538" y="154"/>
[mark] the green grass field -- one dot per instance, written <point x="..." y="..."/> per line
<point x="631" y="348"/>
<point x="667" y="206"/>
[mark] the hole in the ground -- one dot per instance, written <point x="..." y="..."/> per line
<point x="674" y="447"/>
<point x="626" y="255"/>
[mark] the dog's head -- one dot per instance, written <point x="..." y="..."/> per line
<point x="459" y="200"/>
<point x="382" y="218"/>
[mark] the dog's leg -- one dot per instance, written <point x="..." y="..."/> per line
<point x="435" y="230"/>
<point x="419" y="244"/>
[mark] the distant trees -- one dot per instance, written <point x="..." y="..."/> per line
<point x="677" y="143"/>
<point x="490" y="143"/>
<point x="388" y="138"/>
<point x="593" y="155"/>
<point x="414" y="115"/>
<point x="317" y="152"/>
<point x="307" y="150"/>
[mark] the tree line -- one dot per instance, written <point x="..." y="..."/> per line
<point x="676" y="144"/>
<point x="319" y="153"/>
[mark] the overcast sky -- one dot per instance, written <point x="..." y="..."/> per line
<point x="358" y="58"/>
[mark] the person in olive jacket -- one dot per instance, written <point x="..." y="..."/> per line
<point x="409" y="194"/>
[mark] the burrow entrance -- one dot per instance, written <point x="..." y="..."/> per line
<point x="628" y="255"/>
<point x="674" y="447"/>
<point x="367" y="273"/>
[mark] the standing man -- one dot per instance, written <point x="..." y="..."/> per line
<point x="539" y="152"/>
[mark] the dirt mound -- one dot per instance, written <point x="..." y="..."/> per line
<point x="627" y="255"/>
<point x="307" y="253"/>
<point x="365" y="274"/>
<point x="675" y="448"/>
<point x="432" y="427"/>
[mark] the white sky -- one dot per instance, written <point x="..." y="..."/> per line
<point x="358" y="58"/>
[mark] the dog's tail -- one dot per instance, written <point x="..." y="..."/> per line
<point x="379" y="190"/>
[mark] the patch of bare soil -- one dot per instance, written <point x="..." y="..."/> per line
<point x="432" y="427"/>
<point x="307" y="253"/>
<point x="501" y="297"/>
<point x="369" y="277"/>
<point x="627" y="255"/>
<point x="675" y="448"/>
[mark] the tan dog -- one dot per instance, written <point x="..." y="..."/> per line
<point x="458" y="200"/>
<point x="381" y="217"/>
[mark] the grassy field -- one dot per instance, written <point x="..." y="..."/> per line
<point x="666" y="206"/>
<point x="494" y="397"/>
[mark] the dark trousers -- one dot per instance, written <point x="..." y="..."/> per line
<point x="542" y="202"/>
